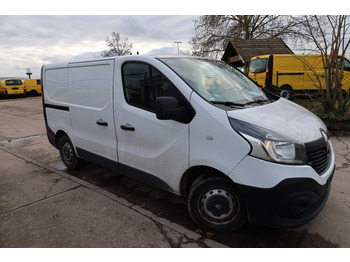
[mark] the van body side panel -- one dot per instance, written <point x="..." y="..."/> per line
<point x="56" y="86"/>
<point x="213" y="142"/>
<point x="301" y="72"/>
<point x="32" y="85"/>
<point x="91" y="107"/>
<point x="55" y="98"/>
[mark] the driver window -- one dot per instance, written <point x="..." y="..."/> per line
<point x="143" y="83"/>
<point x="346" y="64"/>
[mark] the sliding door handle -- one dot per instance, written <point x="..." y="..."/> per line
<point x="101" y="122"/>
<point x="127" y="127"/>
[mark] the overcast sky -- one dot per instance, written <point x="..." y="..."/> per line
<point x="31" y="41"/>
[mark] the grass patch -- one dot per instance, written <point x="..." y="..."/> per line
<point x="315" y="106"/>
<point x="337" y="121"/>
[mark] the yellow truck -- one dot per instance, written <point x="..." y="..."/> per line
<point x="292" y="74"/>
<point x="12" y="87"/>
<point x="33" y="86"/>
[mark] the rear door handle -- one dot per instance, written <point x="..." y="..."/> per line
<point x="127" y="127"/>
<point x="101" y="122"/>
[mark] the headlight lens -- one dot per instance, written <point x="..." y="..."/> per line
<point x="269" y="145"/>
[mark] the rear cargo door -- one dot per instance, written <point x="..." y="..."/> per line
<point x="91" y="108"/>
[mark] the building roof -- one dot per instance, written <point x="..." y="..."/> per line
<point x="239" y="52"/>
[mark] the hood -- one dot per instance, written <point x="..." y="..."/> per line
<point x="285" y="118"/>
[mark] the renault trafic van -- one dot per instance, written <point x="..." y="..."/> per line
<point x="195" y="127"/>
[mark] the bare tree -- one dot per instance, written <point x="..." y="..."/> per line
<point x="330" y="37"/>
<point x="117" y="45"/>
<point x="212" y="32"/>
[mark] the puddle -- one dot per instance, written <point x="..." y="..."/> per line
<point x="58" y="165"/>
<point x="18" y="140"/>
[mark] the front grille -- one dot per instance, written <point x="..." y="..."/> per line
<point x="319" y="160"/>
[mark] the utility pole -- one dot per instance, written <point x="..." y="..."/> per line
<point x="178" y="50"/>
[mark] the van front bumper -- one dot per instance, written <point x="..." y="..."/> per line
<point x="292" y="203"/>
<point x="278" y="195"/>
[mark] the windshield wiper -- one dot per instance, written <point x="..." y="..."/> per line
<point x="228" y="103"/>
<point x="257" y="101"/>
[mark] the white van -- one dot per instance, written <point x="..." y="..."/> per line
<point x="196" y="127"/>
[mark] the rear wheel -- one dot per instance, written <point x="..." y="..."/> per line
<point x="286" y="92"/>
<point x="215" y="205"/>
<point x="33" y="92"/>
<point x="68" y="155"/>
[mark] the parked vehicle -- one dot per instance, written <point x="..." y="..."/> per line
<point x="12" y="87"/>
<point x="195" y="127"/>
<point x="33" y="86"/>
<point x="292" y="74"/>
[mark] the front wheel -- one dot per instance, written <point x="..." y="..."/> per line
<point x="68" y="155"/>
<point x="215" y="205"/>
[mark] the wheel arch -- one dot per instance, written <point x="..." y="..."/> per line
<point x="58" y="136"/>
<point x="193" y="173"/>
<point x="287" y="86"/>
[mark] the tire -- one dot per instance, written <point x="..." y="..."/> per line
<point x="286" y="92"/>
<point x="33" y="93"/>
<point x="215" y="205"/>
<point x="67" y="153"/>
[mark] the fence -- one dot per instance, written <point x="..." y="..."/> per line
<point x="288" y="84"/>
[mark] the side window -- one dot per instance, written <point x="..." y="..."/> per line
<point x="143" y="83"/>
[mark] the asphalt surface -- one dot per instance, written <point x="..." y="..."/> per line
<point x="44" y="205"/>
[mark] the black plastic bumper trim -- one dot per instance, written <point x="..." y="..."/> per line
<point x="291" y="203"/>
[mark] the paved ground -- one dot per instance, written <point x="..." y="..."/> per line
<point x="44" y="205"/>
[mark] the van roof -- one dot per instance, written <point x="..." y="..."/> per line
<point x="5" y="79"/>
<point x="281" y="55"/>
<point x="66" y="64"/>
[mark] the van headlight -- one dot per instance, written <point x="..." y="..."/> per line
<point x="270" y="146"/>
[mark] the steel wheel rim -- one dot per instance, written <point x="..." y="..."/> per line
<point x="67" y="153"/>
<point x="219" y="205"/>
<point x="285" y="94"/>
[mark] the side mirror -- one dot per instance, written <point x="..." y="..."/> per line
<point x="168" y="108"/>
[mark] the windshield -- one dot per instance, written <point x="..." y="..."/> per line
<point x="215" y="80"/>
<point x="346" y="63"/>
<point x="13" y="82"/>
<point x="257" y="66"/>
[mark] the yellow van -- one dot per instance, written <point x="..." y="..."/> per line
<point x="33" y="86"/>
<point x="12" y="87"/>
<point x="291" y="74"/>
